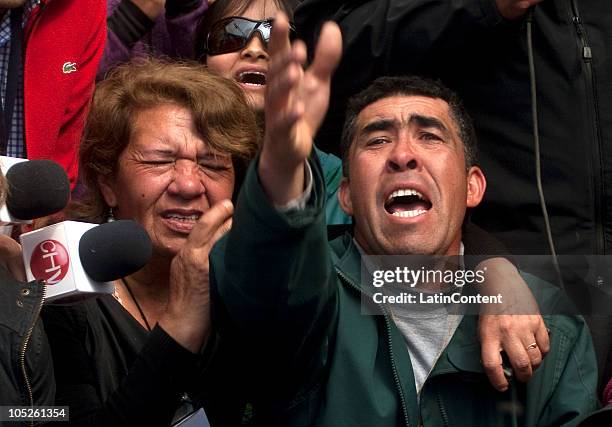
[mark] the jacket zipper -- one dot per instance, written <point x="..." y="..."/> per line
<point x="442" y="409"/>
<point x="398" y="385"/>
<point x="24" y="347"/>
<point x="598" y="182"/>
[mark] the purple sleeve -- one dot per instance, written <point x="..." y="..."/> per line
<point x="115" y="52"/>
<point x="171" y="37"/>
<point x="182" y="31"/>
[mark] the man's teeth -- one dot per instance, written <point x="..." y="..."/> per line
<point x="405" y="192"/>
<point x="409" y="214"/>
<point x="402" y="212"/>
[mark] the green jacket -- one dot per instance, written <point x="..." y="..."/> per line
<point x="332" y="174"/>
<point x="291" y="305"/>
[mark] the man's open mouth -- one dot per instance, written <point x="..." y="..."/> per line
<point x="253" y="78"/>
<point x="407" y="203"/>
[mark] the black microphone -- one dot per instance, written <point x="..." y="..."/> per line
<point x="79" y="259"/>
<point x="114" y="250"/>
<point x="36" y="188"/>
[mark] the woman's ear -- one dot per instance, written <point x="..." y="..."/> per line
<point x="108" y="191"/>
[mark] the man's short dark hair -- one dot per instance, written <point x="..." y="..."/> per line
<point x="385" y="87"/>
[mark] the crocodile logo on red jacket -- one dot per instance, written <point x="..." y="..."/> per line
<point x="69" y="67"/>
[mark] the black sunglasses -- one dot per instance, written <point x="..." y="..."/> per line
<point x="234" y="32"/>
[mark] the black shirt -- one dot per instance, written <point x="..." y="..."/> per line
<point x="111" y="371"/>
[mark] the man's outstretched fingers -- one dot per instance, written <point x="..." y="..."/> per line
<point x="279" y="36"/>
<point x="328" y="51"/>
<point x="282" y="83"/>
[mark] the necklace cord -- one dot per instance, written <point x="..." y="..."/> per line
<point x="125" y="283"/>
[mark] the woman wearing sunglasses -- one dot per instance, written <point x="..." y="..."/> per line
<point x="232" y="40"/>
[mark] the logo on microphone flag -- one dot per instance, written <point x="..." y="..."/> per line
<point x="49" y="262"/>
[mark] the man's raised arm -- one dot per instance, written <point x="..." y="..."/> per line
<point x="296" y="103"/>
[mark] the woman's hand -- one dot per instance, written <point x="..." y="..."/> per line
<point x="187" y="317"/>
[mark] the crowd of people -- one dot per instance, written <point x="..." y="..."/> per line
<point x="273" y="151"/>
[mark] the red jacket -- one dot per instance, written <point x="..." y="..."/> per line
<point x="64" y="40"/>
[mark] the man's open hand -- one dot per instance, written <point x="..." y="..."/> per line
<point x="296" y="103"/>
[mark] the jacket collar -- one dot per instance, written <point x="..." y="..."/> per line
<point x="346" y="258"/>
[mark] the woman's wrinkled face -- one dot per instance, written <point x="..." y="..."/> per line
<point x="168" y="176"/>
<point x="248" y="66"/>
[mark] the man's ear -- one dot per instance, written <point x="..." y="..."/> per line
<point x="344" y="197"/>
<point x="476" y="186"/>
<point x="107" y="190"/>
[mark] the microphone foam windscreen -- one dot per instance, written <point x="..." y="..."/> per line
<point x="114" y="250"/>
<point x="36" y="188"/>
